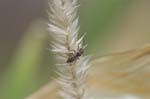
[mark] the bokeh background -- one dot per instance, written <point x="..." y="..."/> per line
<point x="26" y="64"/>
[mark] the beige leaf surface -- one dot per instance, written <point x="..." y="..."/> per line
<point x="117" y="76"/>
<point x="123" y="73"/>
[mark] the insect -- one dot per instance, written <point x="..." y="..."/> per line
<point x="74" y="56"/>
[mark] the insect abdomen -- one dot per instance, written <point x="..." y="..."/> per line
<point x="70" y="60"/>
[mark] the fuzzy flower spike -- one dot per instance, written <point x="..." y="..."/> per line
<point x="68" y="49"/>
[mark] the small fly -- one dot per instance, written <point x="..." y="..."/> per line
<point x="74" y="56"/>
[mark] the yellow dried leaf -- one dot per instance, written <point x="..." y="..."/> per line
<point x="117" y="76"/>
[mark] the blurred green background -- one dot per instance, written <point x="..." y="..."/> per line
<point x="26" y="64"/>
